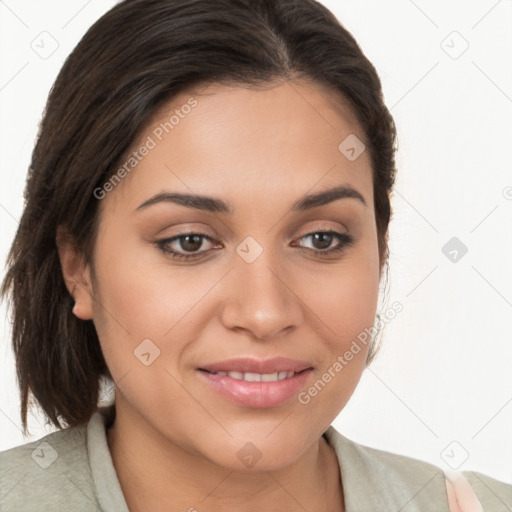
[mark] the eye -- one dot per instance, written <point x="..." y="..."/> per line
<point x="188" y="241"/>
<point x="187" y="245"/>
<point x="323" y="239"/>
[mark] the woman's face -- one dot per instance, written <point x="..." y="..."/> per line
<point x="253" y="288"/>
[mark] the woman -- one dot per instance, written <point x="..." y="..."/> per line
<point x="206" y="226"/>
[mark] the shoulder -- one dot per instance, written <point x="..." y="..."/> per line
<point x="417" y="480"/>
<point x="492" y="493"/>
<point x="386" y="466"/>
<point x="52" y="473"/>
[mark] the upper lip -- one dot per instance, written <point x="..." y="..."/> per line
<point x="277" y="364"/>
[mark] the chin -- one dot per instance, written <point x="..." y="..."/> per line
<point x="246" y="454"/>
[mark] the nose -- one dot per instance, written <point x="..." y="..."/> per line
<point x="261" y="299"/>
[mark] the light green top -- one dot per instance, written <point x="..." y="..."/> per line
<point x="72" y="469"/>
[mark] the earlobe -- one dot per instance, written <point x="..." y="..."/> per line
<point x="76" y="275"/>
<point x="83" y="306"/>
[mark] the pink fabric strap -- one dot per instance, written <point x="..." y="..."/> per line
<point x="461" y="496"/>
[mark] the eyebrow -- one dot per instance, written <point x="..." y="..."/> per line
<point x="215" y="205"/>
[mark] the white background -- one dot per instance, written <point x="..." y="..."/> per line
<point x="441" y="387"/>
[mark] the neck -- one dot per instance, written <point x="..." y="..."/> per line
<point x="155" y="472"/>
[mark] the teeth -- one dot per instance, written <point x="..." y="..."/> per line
<point x="258" y="377"/>
<point x="252" y="377"/>
<point x="235" y="375"/>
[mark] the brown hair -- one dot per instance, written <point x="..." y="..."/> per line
<point x="133" y="59"/>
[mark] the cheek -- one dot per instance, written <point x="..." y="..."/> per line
<point x="347" y="296"/>
<point x="140" y="296"/>
<point x="138" y="289"/>
<point x="346" y="303"/>
<point x="345" y="306"/>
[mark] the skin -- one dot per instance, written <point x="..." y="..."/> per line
<point x="175" y="440"/>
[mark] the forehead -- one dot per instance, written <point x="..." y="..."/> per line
<point x="278" y="140"/>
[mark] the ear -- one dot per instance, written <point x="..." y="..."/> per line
<point x="76" y="275"/>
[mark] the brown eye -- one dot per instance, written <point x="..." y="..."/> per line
<point x="191" y="242"/>
<point x="184" y="244"/>
<point x="322" y="240"/>
<point x="188" y="245"/>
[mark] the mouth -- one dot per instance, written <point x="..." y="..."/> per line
<point x="257" y="383"/>
<point x="271" y="369"/>
<point x="256" y="377"/>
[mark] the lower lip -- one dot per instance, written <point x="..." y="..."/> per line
<point x="256" y="394"/>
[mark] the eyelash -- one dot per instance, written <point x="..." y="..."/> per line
<point x="344" y="239"/>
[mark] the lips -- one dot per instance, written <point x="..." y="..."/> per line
<point x="257" y="383"/>
<point x="258" y="394"/>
